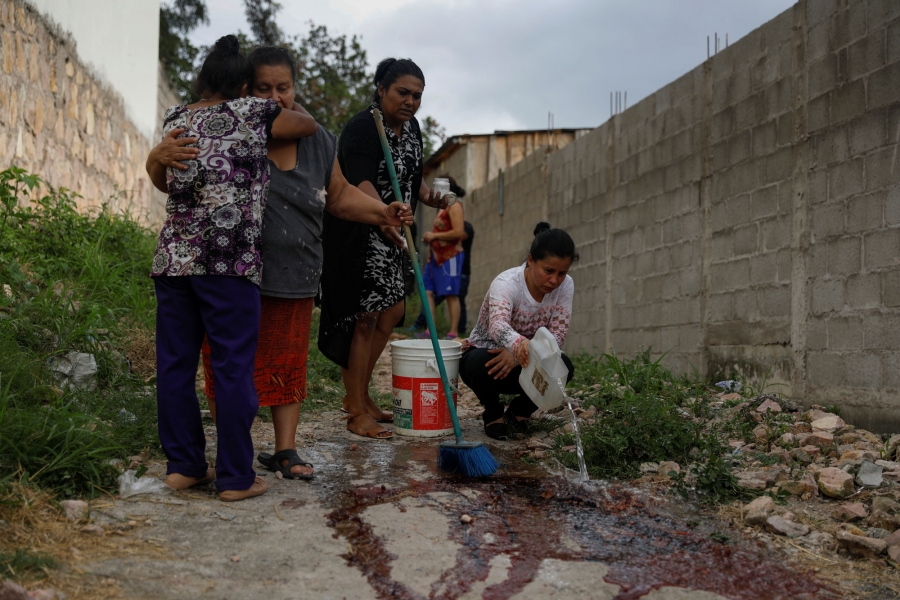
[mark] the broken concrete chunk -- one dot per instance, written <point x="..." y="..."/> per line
<point x="828" y="423"/>
<point x="800" y="455"/>
<point x="853" y="511"/>
<point x="835" y="483"/>
<point x="756" y="512"/>
<point x="863" y="547"/>
<point x="782" y="526"/>
<point x="667" y="466"/>
<point x="76" y="510"/>
<point x="769" y="406"/>
<point x="648" y="467"/>
<point x="869" y="475"/>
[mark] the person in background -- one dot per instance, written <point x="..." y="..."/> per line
<point x="443" y="272"/>
<point x="207" y="269"/>
<point x="306" y="182"/>
<point x="362" y="277"/>
<point x="520" y="300"/>
<point x="421" y="323"/>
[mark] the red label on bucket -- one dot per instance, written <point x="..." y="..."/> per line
<point x="429" y="406"/>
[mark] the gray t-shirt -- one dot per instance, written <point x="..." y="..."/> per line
<point x="292" y="221"/>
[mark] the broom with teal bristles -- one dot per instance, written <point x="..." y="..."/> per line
<point x="472" y="459"/>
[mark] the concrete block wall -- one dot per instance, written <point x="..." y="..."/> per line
<point x="59" y="121"/>
<point x="745" y="218"/>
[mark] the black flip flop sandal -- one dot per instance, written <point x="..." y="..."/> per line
<point x="272" y="462"/>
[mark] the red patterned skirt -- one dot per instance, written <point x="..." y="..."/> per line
<point x="281" y="356"/>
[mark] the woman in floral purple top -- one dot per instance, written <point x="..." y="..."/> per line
<point x="207" y="269"/>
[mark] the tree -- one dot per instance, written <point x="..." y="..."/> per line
<point x="433" y="136"/>
<point x="261" y="17"/>
<point x="178" y="56"/>
<point x="332" y="83"/>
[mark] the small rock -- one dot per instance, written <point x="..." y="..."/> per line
<point x="235" y="559"/>
<point x="42" y="594"/>
<point x="769" y="405"/>
<point x="878" y="533"/>
<point x="888" y="465"/>
<point x="648" y="467"/>
<point x="466" y="519"/>
<point x="893" y="539"/>
<point x="569" y="448"/>
<point x="752" y="484"/>
<point x="76" y="510"/>
<point x="821" y="539"/>
<point x="883" y="520"/>
<point x="892" y="475"/>
<point x="761" y="434"/>
<point x="893" y="443"/>
<point x="533" y="444"/>
<point x="813" y="451"/>
<point x="12" y="591"/>
<point x="756" y="512"/>
<point x="894" y="553"/>
<point x="820" y="439"/>
<point x="781" y="455"/>
<point x="278" y="475"/>
<point x="863" y="547"/>
<point x="828" y="423"/>
<point x="539" y="454"/>
<point x="835" y="483"/>
<point x="782" y="526"/>
<point x="854" y="511"/>
<point x="885" y="504"/>
<point x="869" y="475"/>
<point x="731" y="396"/>
<point x="800" y="455"/>
<point x="667" y="466"/>
<point x="797" y="488"/>
<point x="92" y="530"/>
<point x="814" y="414"/>
<point x="353" y="448"/>
<point x="788" y="439"/>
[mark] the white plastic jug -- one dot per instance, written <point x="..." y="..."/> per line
<point x="545" y="368"/>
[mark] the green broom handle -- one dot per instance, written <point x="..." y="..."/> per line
<point x="389" y="161"/>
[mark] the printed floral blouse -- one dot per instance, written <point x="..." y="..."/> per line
<point x="215" y="206"/>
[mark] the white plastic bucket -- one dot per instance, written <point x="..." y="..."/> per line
<point x="545" y="368"/>
<point x="420" y="407"/>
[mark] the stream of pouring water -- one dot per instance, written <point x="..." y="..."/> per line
<point x="579" y="449"/>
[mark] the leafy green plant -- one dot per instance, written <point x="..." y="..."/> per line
<point x="640" y="417"/>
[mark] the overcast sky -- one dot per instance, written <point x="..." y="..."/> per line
<point x="504" y="64"/>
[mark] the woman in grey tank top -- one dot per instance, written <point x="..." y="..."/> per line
<point x="305" y="181"/>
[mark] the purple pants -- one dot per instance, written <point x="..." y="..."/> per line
<point x="227" y="309"/>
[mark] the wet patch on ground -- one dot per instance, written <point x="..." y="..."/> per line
<point x="521" y="519"/>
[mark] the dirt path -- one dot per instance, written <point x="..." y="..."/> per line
<point x="379" y="521"/>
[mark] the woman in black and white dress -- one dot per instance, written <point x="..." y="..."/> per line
<point x="362" y="276"/>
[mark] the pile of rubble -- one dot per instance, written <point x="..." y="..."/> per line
<point x="849" y="475"/>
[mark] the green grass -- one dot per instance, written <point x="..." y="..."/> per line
<point x="25" y="562"/>
<point x="79" y="283"/>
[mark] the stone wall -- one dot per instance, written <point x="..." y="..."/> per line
<point x="57" y="119"/>
<point x="745" y="218"/>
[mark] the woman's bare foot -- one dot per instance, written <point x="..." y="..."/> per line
<point x="364" y="425"/>
<point x="380" y="416"/>
<point x="258" y="488"/>
<point x="177" y="481"/>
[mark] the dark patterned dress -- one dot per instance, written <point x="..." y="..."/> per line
<point x="215" y="206"/>
<point x="363" y="272"/>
